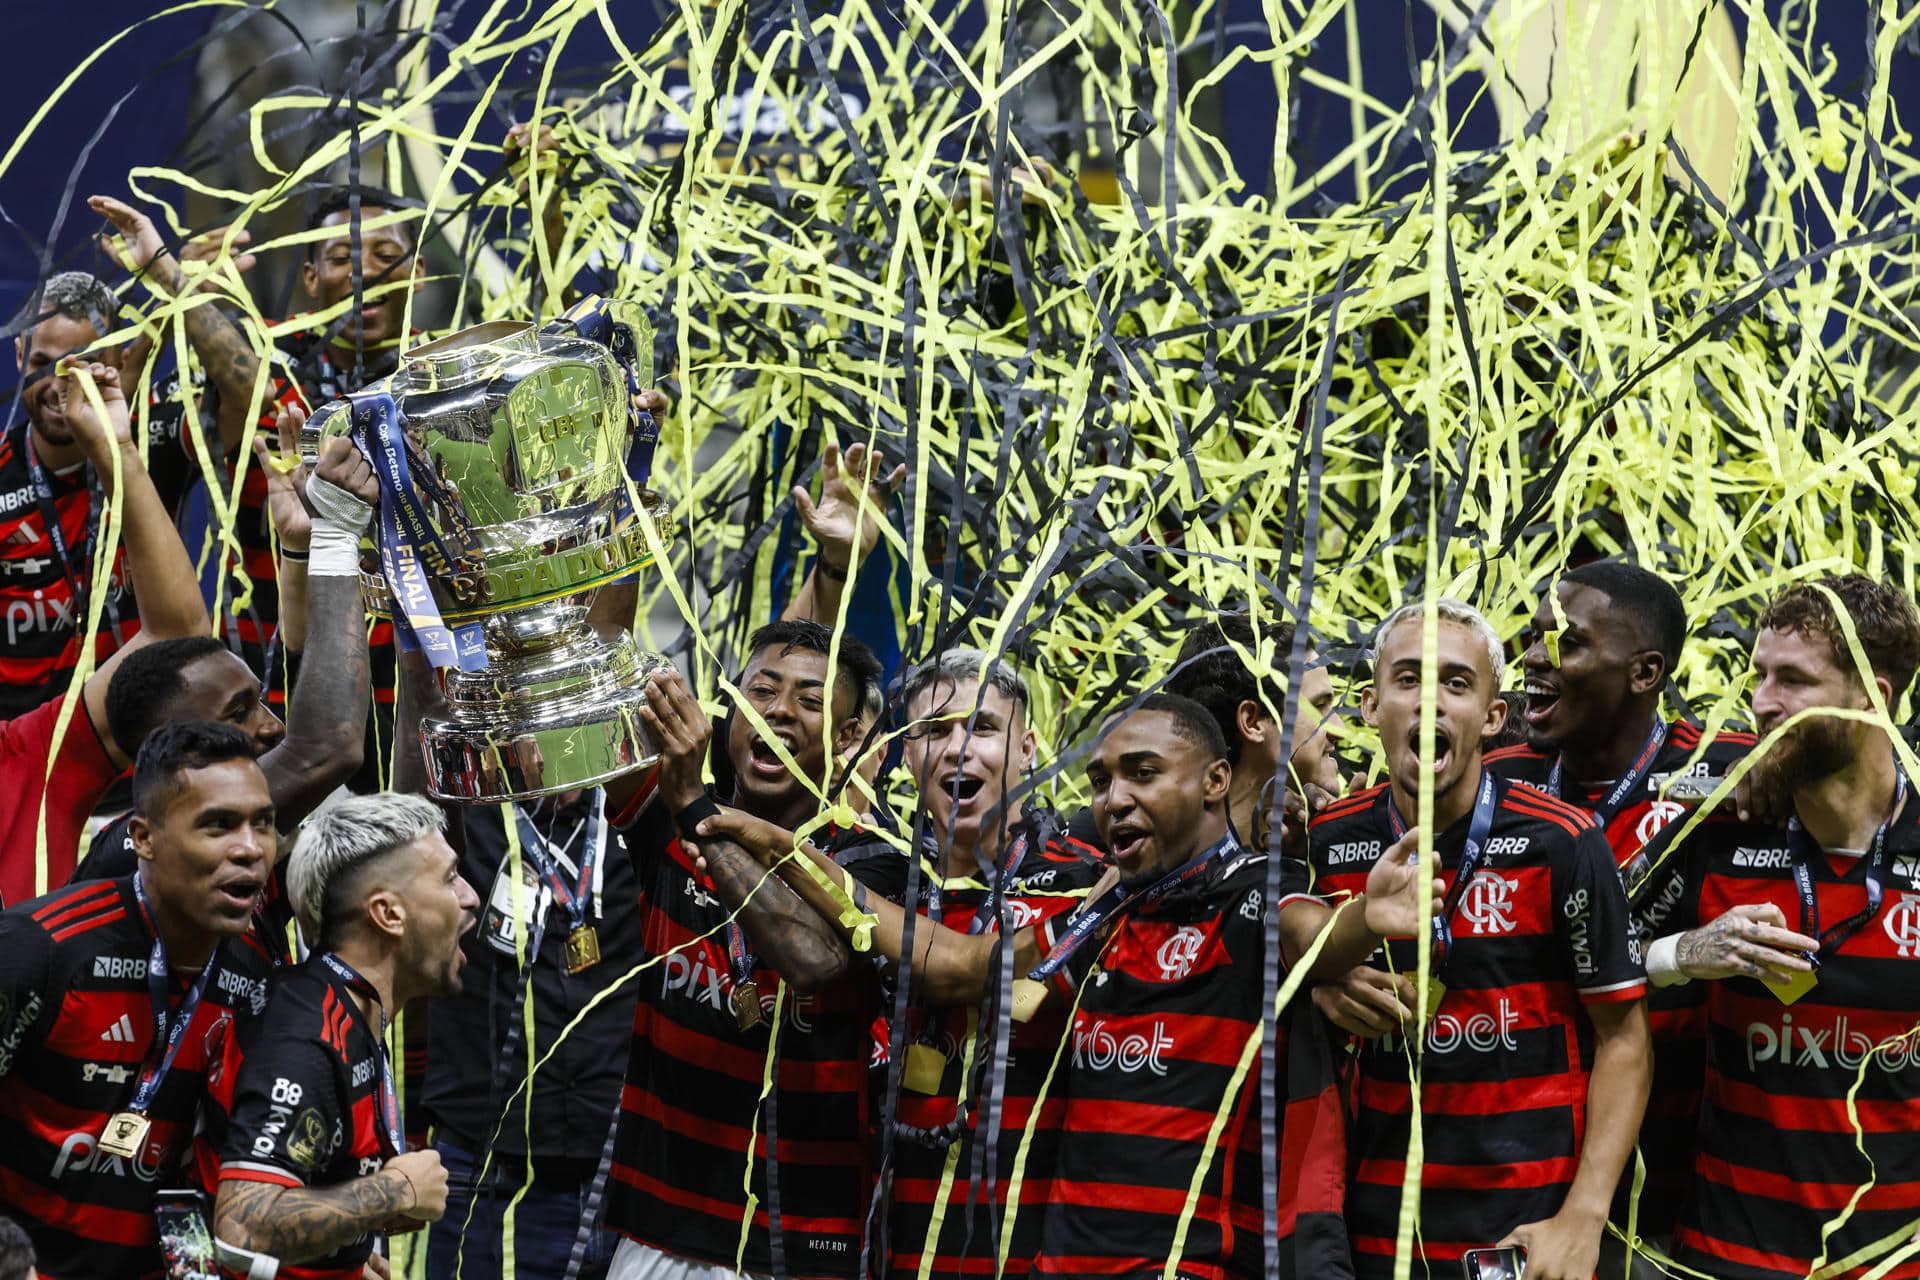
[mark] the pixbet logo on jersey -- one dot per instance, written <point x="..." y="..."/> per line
<point x="80" y="1153"/>
<point x="1482" y="1032"/>
<point x="1487" y="904"/>
<point x="1098" y="1048"/>
<point x="1834" y="1044"/>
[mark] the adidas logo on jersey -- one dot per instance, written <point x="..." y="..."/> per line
<point x="119" y="967"/>
<point x="120" y="1032"/>
<point x="1763" y="859"/>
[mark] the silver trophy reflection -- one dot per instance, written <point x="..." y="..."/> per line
<point x="504" y="453"/>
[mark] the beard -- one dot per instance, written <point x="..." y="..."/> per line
<point x="1817" y="749"/>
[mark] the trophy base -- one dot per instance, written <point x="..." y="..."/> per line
<point x="560" y="718"/>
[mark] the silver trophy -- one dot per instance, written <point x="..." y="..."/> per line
<point x="507" y="457"/>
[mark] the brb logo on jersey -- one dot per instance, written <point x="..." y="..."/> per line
<point x="1902" y="925"/>
<point x="1487" y="904"/>
<point x="1178" y="954"/>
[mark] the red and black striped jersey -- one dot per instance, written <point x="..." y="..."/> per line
<point x="1541" y="928"/>
<point x="76" y="1027"/>
<point x="68" y="785"/>
<point x="1169" y="1013"/>
<point x="932" y="1177"/>
<point x="305" y="1110"/>
<point x="1637" y="828"/>
<point x="1640" y="833"/>
<point x="41" y="646"/>
<point x="1809" y="1120"/>
<point x="692" y="1116"/>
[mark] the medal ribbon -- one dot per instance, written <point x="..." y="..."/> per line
<point x="387" y="1097"/>
<point x="406" y="534"/>
<point x="1117" y="902"/>
<point x="168" y="1031"/>
<point x="930" y="897"/>
<point x="1836" y="937"/>
<point x="573" y="900"/>
<point x="1483" y="807"/>
<point x="1629" y="781"/>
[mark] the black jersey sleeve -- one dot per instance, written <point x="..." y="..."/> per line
<point x="26" y="973"/>
<point x="1590" y="914"/>
<point x="288" y="1116"/>
<point x="1666" y="899"/>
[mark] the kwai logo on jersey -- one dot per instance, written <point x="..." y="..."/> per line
<point x="1179" y="953"/>
<point x="1487" y="904"/>
<point x="1099" y="1049"/>
<point x="1902" y="925"/>
<point x="1831" y="1043"/>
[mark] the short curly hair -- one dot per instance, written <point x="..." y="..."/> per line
<point x="1884" y="619"/>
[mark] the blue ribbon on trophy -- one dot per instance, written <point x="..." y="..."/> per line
<point x="408" y="537"/>
<point x="592" y="318"/>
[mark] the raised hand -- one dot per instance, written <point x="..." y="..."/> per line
<point x="1393" y="890"/>
<point x="286" y="479"/>
<point x="343" y="465"/>
<point x="845" y="486"/>
<point x="681" y="730"/>
<point x="134" y="241"/>
<point x="99" y="438"/>
<point x="206" y="249"/>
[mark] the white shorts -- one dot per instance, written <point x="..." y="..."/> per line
<point x="633" y="1261"/>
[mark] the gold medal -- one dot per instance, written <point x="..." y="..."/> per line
<point x="1436" y="992"/>
<point x="583" y="949"/>
<point x="125" y="1135"/>
<point x="1791" y="988"/>
<point x="926" y="1066"/>
<point x="1028" y="996"/>
<point x="746" y="1005"/>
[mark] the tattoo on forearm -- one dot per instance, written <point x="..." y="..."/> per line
<point x="230" y="363"/>
<point x="304" y="1223"/>
<point x="327" y="715"/>
<point x="792" y="935"/>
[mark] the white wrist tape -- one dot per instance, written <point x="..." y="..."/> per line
<point x="334" y="551"/>
<point x="1663" y="962"/>
<point x="339" y="521"/>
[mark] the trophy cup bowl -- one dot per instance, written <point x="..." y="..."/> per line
<point x="518" y="440"/>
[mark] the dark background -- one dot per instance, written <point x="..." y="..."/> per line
<point x="135" y="104"/>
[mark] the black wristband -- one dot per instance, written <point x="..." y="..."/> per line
<point x="828" y="569"/>
<point x="690" y="818"/>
